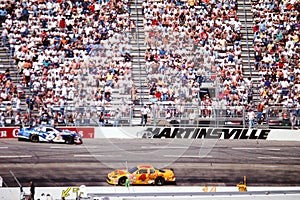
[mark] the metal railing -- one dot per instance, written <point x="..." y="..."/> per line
<point x="162" y="114"/>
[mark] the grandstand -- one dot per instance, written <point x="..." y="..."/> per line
<point x="192" y="62"/>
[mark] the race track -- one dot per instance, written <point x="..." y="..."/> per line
<point x="196" y="162"/>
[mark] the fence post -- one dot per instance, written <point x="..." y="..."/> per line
<point x="154" y="113"/>
<point x="267" y="116"/>
<point x="130" y="115"/>
<point x="244" y="116"/>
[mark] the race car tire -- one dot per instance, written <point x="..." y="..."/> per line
<point x="122" y="181"/>
<point x="34" y="138"/>
<point x="159" y="181"/>
<point x="80" y="141"/>
<point x="69" y="140"/>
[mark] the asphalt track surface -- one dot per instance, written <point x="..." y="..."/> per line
<point x="195" y="162"/>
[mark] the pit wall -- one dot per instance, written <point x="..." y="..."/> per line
<point x="71" y="192"/>
<point x="174" y="132"/>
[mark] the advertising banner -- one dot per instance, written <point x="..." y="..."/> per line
<point x="198" y="133"/>
<point x="172" y="132"/>
<point x="11" y="132"/>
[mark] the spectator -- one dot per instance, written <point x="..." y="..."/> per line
<point x="32" y="190"/>
<point x="260" y="109"/>
<point x="101" y="119"/>
<point x="275" y="46"/>
<point x="144" y="115"/>
<point x="54" y="47"/>
<point x="171" y="59"/>
<point x="2" y="119"/>
<point x="70" y="120"/>
<point x="285" y="118"/>
<point x="117" y="118"/>
<point x="251" y="118"/>
<point x="78" y="118"/>
<point x="192" y="117"/>
<point x="294" y="121"/>
<point x="18" y="119"/>
<point x="4" y="36"/>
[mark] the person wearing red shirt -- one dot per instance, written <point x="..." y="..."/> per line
<point x="92" y="8"/>
<point x="158" y="95"/>
<point x="62" y="24"/>
<point x="204" y="37"/>
<point x="255" y="28"/>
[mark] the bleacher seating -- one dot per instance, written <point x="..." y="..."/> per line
<point x="75" y="59"/>
<point x="71" y="54"/>
<point x="277" y="48"/>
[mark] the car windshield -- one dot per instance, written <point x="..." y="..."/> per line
<point x="161" y="170"/>
<point x="132" y="169"/>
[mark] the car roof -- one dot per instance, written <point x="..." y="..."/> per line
<point x="45" y="125"/>
<point x="145" y="166"/>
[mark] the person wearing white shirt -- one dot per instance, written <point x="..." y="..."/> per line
<point x="251" y="117"/>
<point x="144" y="113"/>
<point x="26" y="73"/>
<point x="284" y="84"/>
<point x="4" y="37"/>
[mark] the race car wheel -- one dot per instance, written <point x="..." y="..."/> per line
<point x="34" y="138"/>
<point x="122" y="181"/>
<point x="159" y="181"/>
<point x="80" y="141"/>
<point x="69" y="140"/>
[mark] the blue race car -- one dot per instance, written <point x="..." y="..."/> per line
<point x="47" y="133"/>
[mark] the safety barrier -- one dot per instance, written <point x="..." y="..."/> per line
<point x="176" y="132"/>
<point x="197" y="133"/>
<point x="117" y="192"/>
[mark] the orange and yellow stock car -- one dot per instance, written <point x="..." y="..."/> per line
<point x="141" y="175"/>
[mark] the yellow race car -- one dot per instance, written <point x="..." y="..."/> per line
<point x="141" y="175"/>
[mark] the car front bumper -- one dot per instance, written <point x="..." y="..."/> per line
<point x="112" y="181"/>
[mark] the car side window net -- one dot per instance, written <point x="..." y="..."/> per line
<point x="142" y="171"/>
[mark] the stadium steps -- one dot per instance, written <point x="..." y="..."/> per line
<point x="7" y="62"/>
<point x="4" y="58"/>
<point x="245" y="16"/>
<point x="244" y="13"/>
<point x="139" y="74"/>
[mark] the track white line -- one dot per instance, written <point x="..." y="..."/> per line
<point x="162" y="147"/>
<point x="187" y="156"/>
<point x="17" y="156"/>
<point x="93" y="155"/>
<point x="74" y="147"/>
<point x="3" y="147"/>
<point x="255" y="148"/>
<point x="271" y="166"/>
<point x="63" y="147"/>
<point x="283" y="158"/>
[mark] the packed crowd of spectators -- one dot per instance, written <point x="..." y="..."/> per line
<point x="70" y="55"/>
<point x="277" y="48"/>
<point x="192" y="42"/>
